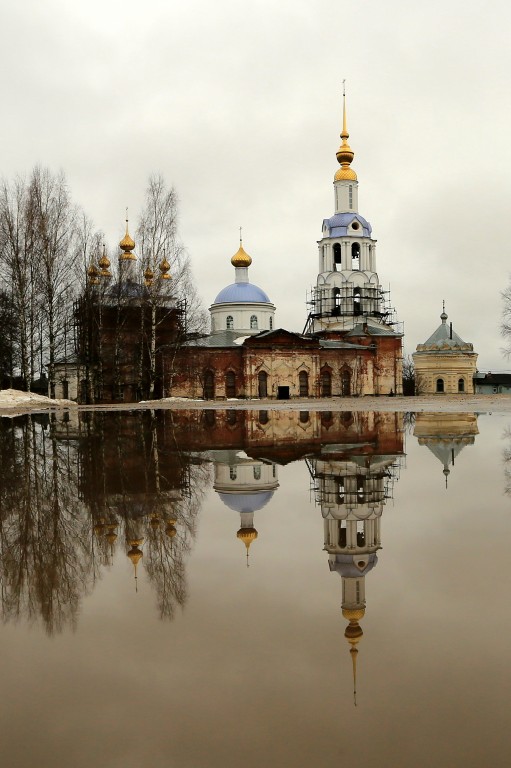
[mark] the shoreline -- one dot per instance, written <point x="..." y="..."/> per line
<point x="18" y="405"/>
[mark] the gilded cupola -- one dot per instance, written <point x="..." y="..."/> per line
<point x="165" y="269"/>
<point x="104" y="264"/>
<point x="241" y="257"/>
<point x="126" y="245"/>
<point x="345" y="153"/>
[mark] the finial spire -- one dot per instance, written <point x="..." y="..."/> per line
<point x="241" y="239"/>
<point x="344" y="134"/>
<point x="345" y="153"/>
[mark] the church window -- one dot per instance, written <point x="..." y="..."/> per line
<point x="231" y="418"/>
<point x="461" y="385"/>
<point x="342" y="535"/>
<point x="229" y="323"/>
<point x="209" y="385"/>
<point x="233" y="473"/>
<point x="360" y="490"/>
<point x="253" y="322"/>
<point x="439" y="385"/>
<point x="304" y="417"/>
<point x="230" y="384"/>
<point x="346" y="385"/>
<point x="326" y="384"/>
<point x="336" y="295"/>
<point x="210" y="417"/>
<point x="263" y="417"/>
<point x="361" y="536"/>
<point x="350" y="196"/>
<point x="262" y="384"/>
<point x="257" y="473"/>
<point x="303" y="379"/>
<point x="337" y="253"/>
<point x="355" y="256"/>
<point x="271" y="323"/>
<point x="357" y="302"/>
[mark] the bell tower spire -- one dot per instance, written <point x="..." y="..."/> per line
<point x="345" y="179"/>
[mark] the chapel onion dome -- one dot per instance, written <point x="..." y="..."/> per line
<point x="345" y="153"/>
<point x="246" y="502"/>
<point x="244" y="293"/>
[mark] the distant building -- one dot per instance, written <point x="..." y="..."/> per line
<point x="492" y="383"/>
<point x="444" y="363"/>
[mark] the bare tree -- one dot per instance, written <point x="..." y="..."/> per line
<point x="19" y="272"/>
<point x="54" y="225"/>
<point x="162" y="252"/>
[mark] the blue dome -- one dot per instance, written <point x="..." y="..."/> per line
<point x="338" y="224"/>
<point x="246" y="502"/>
<point x="237" y="293"/>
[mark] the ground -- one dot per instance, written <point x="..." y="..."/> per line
<point x="13" y="402"/>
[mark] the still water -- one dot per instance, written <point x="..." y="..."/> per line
<point x="373" y="622"/>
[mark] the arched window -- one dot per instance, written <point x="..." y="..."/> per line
<point x="210" y="417"/>
<point x="262" y="384"/>
<point x="337" y="253"/>
<point x="233" y="474"/>
<point x="336" y="301"/>
<point x="345" y="382"/>
<point x="304" y="417"/>
<point x="439" y="385"/>
<point x="230" y="384"/>
<point x="263" y="417"/>
<point x="355" y="256"/>
<point x="209" y="385"/>
<point x="271" y="323"/>
<point x="229" y="322"/>
<point x="342" y="530"/>
<point x="253" y="322"/>
<point x="357" y="302"/>
<point x="326" y="384"/>
<point x="461" y="385"/>
<point x="303" y="379"/>
<point x="231" y="417"/>
<point x="257" y="473"/>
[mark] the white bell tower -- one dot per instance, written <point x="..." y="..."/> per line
<point x="348" y="290"/>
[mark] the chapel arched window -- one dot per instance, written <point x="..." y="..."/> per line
<point x="253" y="322"/>
<point x="229" y="322"/>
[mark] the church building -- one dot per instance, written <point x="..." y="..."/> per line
<point x="350" y="344"/>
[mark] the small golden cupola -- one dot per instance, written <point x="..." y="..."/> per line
<point x="241" y="257"/>
<point x="149" y="276"/>
<point x="126" y="245"/>
<point x="135" y="555"/>
<point x="104" y="264"/>
<point x="93" y="274"/>
<point x="345" y="153"/>
<point x="165" y="269"/>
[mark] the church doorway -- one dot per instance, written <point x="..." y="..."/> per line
<point x="283" y="393"/>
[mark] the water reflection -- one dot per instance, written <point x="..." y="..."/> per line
<point x="77" y="492"/>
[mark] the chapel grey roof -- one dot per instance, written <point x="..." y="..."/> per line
<point x="337" y="225"/>
<point x="444" y="338"/>
<point x="224" y="338"/>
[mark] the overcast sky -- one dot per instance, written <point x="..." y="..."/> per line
<point x="238" y="105"/>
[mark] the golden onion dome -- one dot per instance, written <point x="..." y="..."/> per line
<point x="154" y="522"/>
<point x="127" y="244"/>
<point x="164" y="269"/>
<point x="93" y="274"/>
<point x="104" y="262"/>
<point x="170" y="530"/>
<point x="111" y="537"/>
<point x="247" y="536"/>
<point x="135" y="555"/>
<point x="353" y="614"/>
<point x="353" y="632"/>
<point x="241" y="258"/>
<point x="148" y="276"/>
